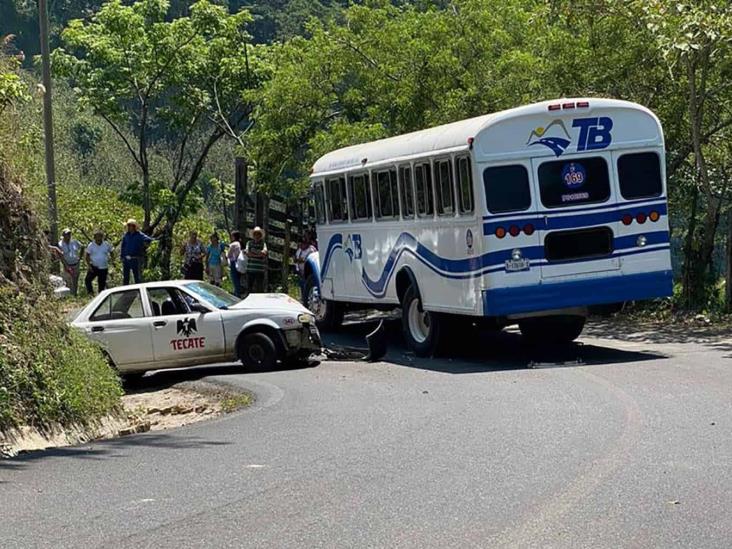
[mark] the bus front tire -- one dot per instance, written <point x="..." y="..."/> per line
<point x="328" y="314"/>
<point x="552" y="329"/>
<point x="421" y="328"/>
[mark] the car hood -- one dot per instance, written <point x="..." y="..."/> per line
<point x="278" y="302"/>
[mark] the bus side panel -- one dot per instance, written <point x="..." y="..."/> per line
<point x="363" y="268"/>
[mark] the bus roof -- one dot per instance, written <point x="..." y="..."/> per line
<point x="451" y="137"/>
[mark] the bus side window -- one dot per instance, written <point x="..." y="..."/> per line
<point x="640" y="175"/>
<point x="337" y="200"/>
<point x="443" y="180"/>
<point x="465" y="185"/>
<point x="423" y="190"/>
<point x="405" y="177"/>
<point x="507" y="188"/>
<point x="360" y="196"/>
<point x="387" y="194"/>
<point x="319" y="204"/>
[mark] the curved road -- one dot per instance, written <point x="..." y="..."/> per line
<point x="603" y="444"/>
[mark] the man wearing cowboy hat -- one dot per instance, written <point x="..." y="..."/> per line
<point x="132" y="251"/>
<point x="256" y="251"/>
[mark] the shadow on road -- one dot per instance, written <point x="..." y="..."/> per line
<point x="485" y="351"/>
<point x="112" y="448"/>
<point x="164" y="379"/>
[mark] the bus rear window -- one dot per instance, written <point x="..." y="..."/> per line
<point x="574" y="182"/>
<point x="640" y="175"/>
<point x="507" y="188"/>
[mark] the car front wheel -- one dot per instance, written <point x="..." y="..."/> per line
<point x="257" y="351"/>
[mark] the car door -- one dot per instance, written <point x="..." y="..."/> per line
<point x="120" y="326"/>
<point x="181" y="336"/>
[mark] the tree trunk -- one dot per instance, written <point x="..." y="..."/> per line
<point x="165" y="251"/>
<point x="728" y="265"/>
<point x="241" y="195"/>
<point x="700" y="262"/>
<point x="688" y="275"/>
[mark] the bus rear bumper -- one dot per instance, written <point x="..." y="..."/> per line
<point x="577" y="293"/>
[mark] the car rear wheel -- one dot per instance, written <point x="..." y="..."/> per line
<point x="421" y="328"/>
<point x="552" y="329"/>
<point x="257" y="351"/>
<point x="328" y="314"/>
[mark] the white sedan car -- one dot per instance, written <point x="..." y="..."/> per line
<point x="184" y="323"/>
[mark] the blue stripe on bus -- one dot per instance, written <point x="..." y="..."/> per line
<point x="554" y="211"/>
<point x="576" y="293"/>
<point x="486" y="263"/>
<point x="572" y="221"/>
<point x="336" y="241"/>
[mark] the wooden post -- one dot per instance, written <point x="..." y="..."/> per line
<point x="241" y="195"/>
<point x="286" y="259"/>
<point x="48" y="122"/>
<point x="264" y="214"/>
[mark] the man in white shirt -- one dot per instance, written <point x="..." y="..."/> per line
<point x="71" y="255"/>
<point x="97" y="256"/>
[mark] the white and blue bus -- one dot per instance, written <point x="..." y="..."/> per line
<point x="529" y="216"/>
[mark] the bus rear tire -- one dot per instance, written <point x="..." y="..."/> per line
<point x="552" y="329"/>
<point x="328" y="314"/>
<point x="421" y="328"/>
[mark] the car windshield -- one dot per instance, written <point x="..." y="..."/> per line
<point x="214" y="295"/>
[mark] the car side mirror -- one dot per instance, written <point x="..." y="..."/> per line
<point x="198" y="308"/>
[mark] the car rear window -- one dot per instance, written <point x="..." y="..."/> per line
<point x="507" y="188"/>
<point x="119" y="306"/>
<point x="572" y="182"/>
<point x="640" y="175"/>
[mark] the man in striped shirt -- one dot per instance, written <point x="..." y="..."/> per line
<point x="256" y="251"/>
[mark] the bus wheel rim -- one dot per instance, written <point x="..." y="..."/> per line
<point x="419" y="322"/>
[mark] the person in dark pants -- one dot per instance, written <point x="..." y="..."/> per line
<point x="134" y="243"/>
<point x="193" y="255"/>
<point x="256" y="251"/>
<point x="97" y="256"/>
<point x="232" y="255"/>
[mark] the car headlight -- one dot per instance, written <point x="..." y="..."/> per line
<point x="305" y="318"/>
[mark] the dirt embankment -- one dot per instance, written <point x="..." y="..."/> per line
<point x="142" y="411"/>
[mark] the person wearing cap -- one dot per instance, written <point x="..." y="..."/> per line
<point x="256" y="251"/>
<point x="97" y="260"/>
<point x="132" y="252"/>
<point x="70" y="256"/>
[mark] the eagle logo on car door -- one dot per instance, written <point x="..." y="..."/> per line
<point x="187" y="327"/>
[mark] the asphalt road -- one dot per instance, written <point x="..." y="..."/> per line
<point x="604" y="444"/>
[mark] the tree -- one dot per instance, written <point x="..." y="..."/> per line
<point x="696" y="41"/>
<point x="170" y="90"/>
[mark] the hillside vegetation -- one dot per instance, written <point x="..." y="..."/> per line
<point x="49" y="374"/>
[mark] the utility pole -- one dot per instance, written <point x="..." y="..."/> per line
<point x="48" y="122"/>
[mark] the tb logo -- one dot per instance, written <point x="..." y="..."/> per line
<point x="594" y="133"/>
<point x="353" y="247"/>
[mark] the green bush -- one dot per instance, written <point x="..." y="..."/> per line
<point x="49" y="373"/>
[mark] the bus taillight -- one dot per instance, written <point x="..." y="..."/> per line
<point x="514" y="230"/>
<point x="627" y="219"/>
<point x="641" y="218"/>
<point x="654" y="216"/>
<point x="528" y="229"/>
<point x="500" y="232"/>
